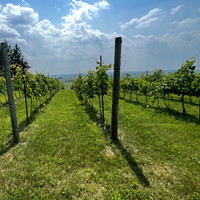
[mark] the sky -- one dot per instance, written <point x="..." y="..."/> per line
<point x="65" y="37"/>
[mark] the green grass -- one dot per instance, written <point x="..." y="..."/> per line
<point x="165" y="141"/>
<point x="5" y="121"/>
<point x="2" y="99"/>
<point x="64" y="154"/>
<point x="67" y="85"/>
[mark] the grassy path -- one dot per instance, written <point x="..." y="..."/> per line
<point x="165" y="143"/>
<point x="64" y="154"/>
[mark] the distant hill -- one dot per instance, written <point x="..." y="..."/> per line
<point x="110" y="73"/>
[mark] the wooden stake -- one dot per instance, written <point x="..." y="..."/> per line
<point x="199" y="109"/>
<point x="25" y="94"/>
<point x="102" y="94"/>
<point x="116" y="87"/>
<point x="10" y="92"/>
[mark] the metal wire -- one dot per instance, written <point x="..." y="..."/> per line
<point x="8" y="114"/>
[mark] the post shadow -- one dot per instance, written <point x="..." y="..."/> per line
<point x="23" y="125"/>
<point x="171" y="112"/>
<point x="12" y="144"/>
<point x="131" y="161"/>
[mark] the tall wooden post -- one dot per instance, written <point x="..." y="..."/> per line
<point x="26" y="104"/>
<point x="116" y="87"/>
<point x="199" y="109"/>
<point x="102" y="95"/>
<point x="10" y="92"/>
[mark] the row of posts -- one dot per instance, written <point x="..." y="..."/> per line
<point x="116" y="88"/>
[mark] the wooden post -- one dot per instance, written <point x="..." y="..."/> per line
<point x="102" y="94"/>
<point x="10" y="92"/>
<point x="25" y="94"/>
<point x="199" y="109"/>
<point x="116" y="87"/>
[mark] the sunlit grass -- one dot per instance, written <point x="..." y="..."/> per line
<point x="5" y="122"/>
<point x="165" y="142"/>
<point x="67" y="85"/>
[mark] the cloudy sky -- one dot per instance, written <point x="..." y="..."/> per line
<point x="63" y="37"/>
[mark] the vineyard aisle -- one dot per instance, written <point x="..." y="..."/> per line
<point x="63" y="154"/>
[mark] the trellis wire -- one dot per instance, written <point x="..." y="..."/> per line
<point x="8" y="114"/>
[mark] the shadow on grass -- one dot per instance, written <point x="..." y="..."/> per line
<point x="34" y="113"/>
<point x="179" y="101"/>
<point x="171" y="98"/>
<point x="132" y="163"/>
<point x="171" y="112"/>
<point x="23" y="125"/>
<point x="12" y="144"/>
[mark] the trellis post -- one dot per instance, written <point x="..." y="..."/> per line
<point x="116" y="87"/>
<point x="10" y="92"/>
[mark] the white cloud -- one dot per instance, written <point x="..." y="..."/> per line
<point x="16" y="15"/>
<point x="80" y="12"/>
<point x="6" y="31"/>
<point x="44" y="33"/>
<point x="142" y="41"/>
<point x="188" y="39"/>
<point x="183" y="39"/>
<point x="25" y="3"/>
<point x="11" y="35"/>
<point x="175" y="10"/>
<point x="186" y="23"/>
<point x="172" y="23"/>
<point x="143" y="21"/>
<point x="2" y="19"/>
<point x="147" y="22"/>
<point x="102" y="4"/>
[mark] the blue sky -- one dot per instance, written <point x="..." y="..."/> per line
<point x="61" y="37"/>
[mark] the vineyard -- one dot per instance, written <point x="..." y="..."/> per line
<point x="38" y="86"/>
<point x="184" y="82"/>
<point x="66" y="152"/>
<point x="38" y="89"/>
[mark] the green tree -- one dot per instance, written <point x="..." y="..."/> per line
<point x="125" y="83"/>
<point x="16" y="58"/>
<point x="183" y="79"/>
<point x="101" y="82"/>
<point x="1" y="64"/>
<point x="16" y="55"/>
<point x="89" y="84"/>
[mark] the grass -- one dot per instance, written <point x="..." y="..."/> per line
<point x="165" y="142"/>
<point x="5" y="121"/>
<point x="64" y="154"/>
<point x="67" y="85"/>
